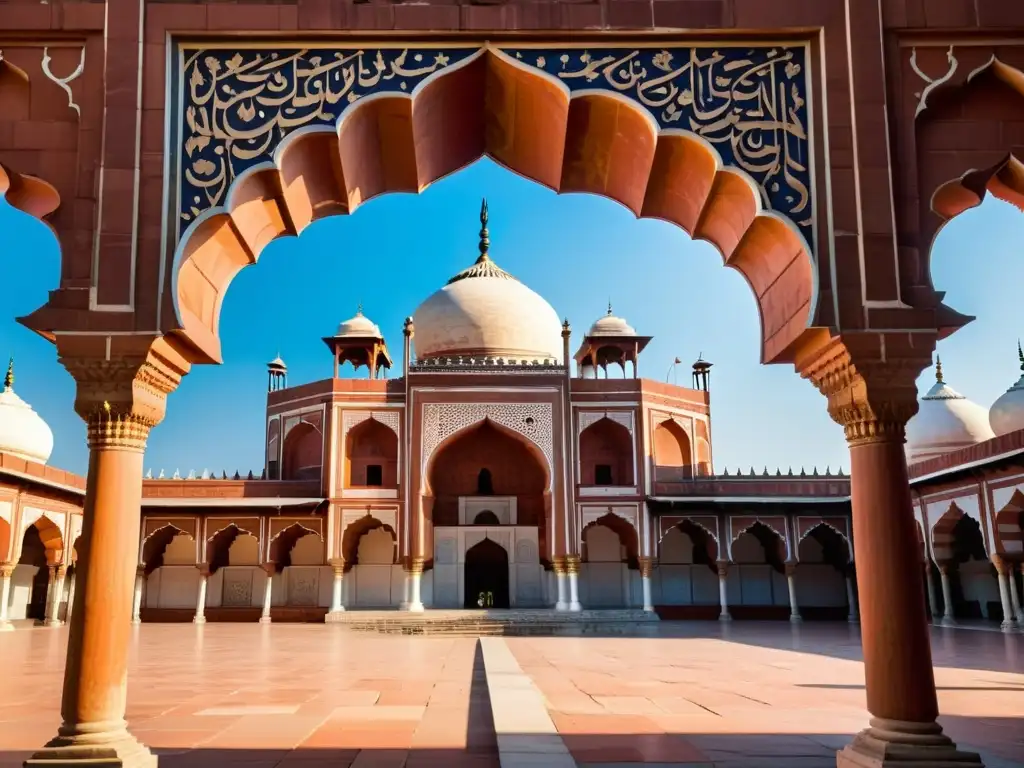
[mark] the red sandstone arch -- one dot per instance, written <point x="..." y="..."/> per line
<point x="302" y="453"/>
<point x="371" y="442"/>
<point x="700" y="535"/>
<point x="5" y="539"/>
<point x="1009" y="527"/>
<point x="27" y="193"/>
<point x="673" y="454"/>
<point x="355" y="531"/>
<point x="609" y="443"/>
<point x="944" y="534"/>
<point x="284" y="541"/>
<point x="155" y="545"/>
<point x="52" y="538"/>
<point x="835" y="545"/>
<point x="627" y="535"/>
<point x="526" y="121"/>
<point x="219" y="543"/>
<point x="957" y="164"/>
<point x="773" y="542"/>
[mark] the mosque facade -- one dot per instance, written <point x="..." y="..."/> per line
<point x="504" y="468"/>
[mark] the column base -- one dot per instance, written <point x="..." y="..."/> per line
<point x="126" y="752"/>
<point x="266" y="620"/>
<point x="199" y="620"/>
<point x="725" y="616"/>
<point x="947" y="621"/>
<point x="897" y="743"/>
<point x="649" y="608"/>
<point x="853" y="618"/>
<point x="795" y="618"/>
<point x="6" y="626"/>
<point x="136" y="621"/>
<point x="560" y="606"/>
<point x="575" y="607"/>
<point x="412" y="607"/>
<point x="1008" y="626"/>
<point x="335" y="617"/>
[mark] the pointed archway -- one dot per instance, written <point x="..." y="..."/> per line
<point x="485" y="574"/>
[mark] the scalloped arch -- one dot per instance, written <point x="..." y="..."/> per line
<point x="527" y="122"/>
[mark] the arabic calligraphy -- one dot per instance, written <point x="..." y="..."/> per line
<point x="239" y="105"/>
<point x="749" y="103"/>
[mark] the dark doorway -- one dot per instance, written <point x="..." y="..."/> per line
<point x="484" y="483"/>
<point x="34" y="553"/>
<point x="486" y="576"/>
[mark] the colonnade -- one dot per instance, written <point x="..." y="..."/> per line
<point x="870" y="384"/>
<point x="1009" y="597"/>
<point x="60" y="582"/>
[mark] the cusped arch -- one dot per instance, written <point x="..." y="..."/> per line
<point x="952" y="531"/>
<point x="371" y="442"/>
<point x="151" y="554"/>
<point x="609" y="443"/>
<point x="28" y="193"/>
<point x="50" y="535"/>
<point x="765" y="533"/>
<point x="282" y="543"/>
<point x="529" y="121"/>
<point x="1009" y="526"/>
<point x="835" y="544"/>
<point x="699" y="534"/>
<point x="622" y="528"/>
<point x="219" y="543"/>
<point x="355" y="531"/>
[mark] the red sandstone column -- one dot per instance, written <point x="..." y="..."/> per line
<point x="872" y="393"/>
<point x="95" y="678"/>
<point x="122" y="388"/>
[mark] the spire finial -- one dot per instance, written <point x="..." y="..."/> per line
<point x="359" y="309"/>
<point x="609" y="306"/>
<point x="1020" y="355"/>
<point x="938" y="370"/>
<point x="485" y="238"/>
<point x="9" y="378"/>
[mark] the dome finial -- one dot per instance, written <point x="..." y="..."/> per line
<point x="9" y="378"/>
<point x="485" y="239"/>
<point x="938" y="370"/>
<point x="359" y="309"/>
<point x="609" y="306"/>
<point x="1020" y="355"/>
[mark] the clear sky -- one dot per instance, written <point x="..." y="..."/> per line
<point x="578" y="251"/>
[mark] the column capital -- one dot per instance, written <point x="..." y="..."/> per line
<point x="122" y="384"/>
<point x="870" y="381"/>
<point x="558" y="564"/>
<point x="204" y="570"/>
<point x="943" y="568"/>
<point x="415" y="565"/>
<point x="723" y="567"/>
<point x="790" y="568"/>
<point x="646" y="566"/>
<point x="1003" y="568"/>
<point x="6" y="569"/>
<point x="572" y="564"/>
<point x="269" y="568"/>
<point x="337" y="565"/>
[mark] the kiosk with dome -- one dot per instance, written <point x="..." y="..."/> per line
<point x="502" y="470"/>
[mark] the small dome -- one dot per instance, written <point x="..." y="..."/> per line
<point x="945" y="421"/>
<point x="277" y="362"/>
<point x="23" y="433"/>
<point x="610" y="325"/>
<point x="359" y="326"/>
<point x="484" y="311"/>
<point x="1007" y="413"/>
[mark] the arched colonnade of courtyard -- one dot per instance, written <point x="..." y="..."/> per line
<point x="824" y="190"/>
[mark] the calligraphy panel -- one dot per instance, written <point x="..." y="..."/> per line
<point x="236" y="104"/>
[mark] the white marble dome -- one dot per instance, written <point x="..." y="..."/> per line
<point x="610" y="325"/>
<point x="359" y="326"/>
<point x="23" y="433"/>
<point x="484" y="312"/>
<point x="1007" y="413"/>
<point x="945" y="421"/>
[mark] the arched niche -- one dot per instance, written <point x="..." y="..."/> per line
<point x="168" y="545"/>
<point x="31" y="577"/>
<point x="302" y="453"/>
<point x="515" y="465"/>
<point x="244" y="550"/>
<point x="673" y="456"/>
<point x="606" y="454"/>
<point x="352" y="541"/>
<point x="628" y="545"/>
<point x="219" y="545"/>
<point x="824" y="557"/>
<point x="823" y="544"/>
<point x="759" y="544"/>
<point x="371" y="456"/>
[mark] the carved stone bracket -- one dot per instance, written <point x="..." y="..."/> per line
<point x="122" y="388"/>
<point x="870" y="381"/>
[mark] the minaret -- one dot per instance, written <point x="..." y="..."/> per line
<point x="277" y="375"/>
<point x="409" y="330"/>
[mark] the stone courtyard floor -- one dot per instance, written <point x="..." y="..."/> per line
<point x="697" y="694"/>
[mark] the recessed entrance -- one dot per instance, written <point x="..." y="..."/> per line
<point x="486" y="576"/>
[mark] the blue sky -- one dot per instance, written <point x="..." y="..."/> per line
<point x="578" y="251"/>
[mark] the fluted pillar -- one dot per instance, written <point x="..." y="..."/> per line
<point x="1002" y="572"/>
<point x="122" y="386"/>
<point x="794" y="607"/>
<point x="54" y="595"/>
<point x="204" y="577"/>
<point x="140" y="583"/>
<point x="870" y="383"/>
<point x="646" y="571"/>
<point x="572" y="568"/>
<point x="723" y="590"/>
<point x="561" y="583"/>
<point x="6" y="569"/>
<point x="949" y="616"/>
